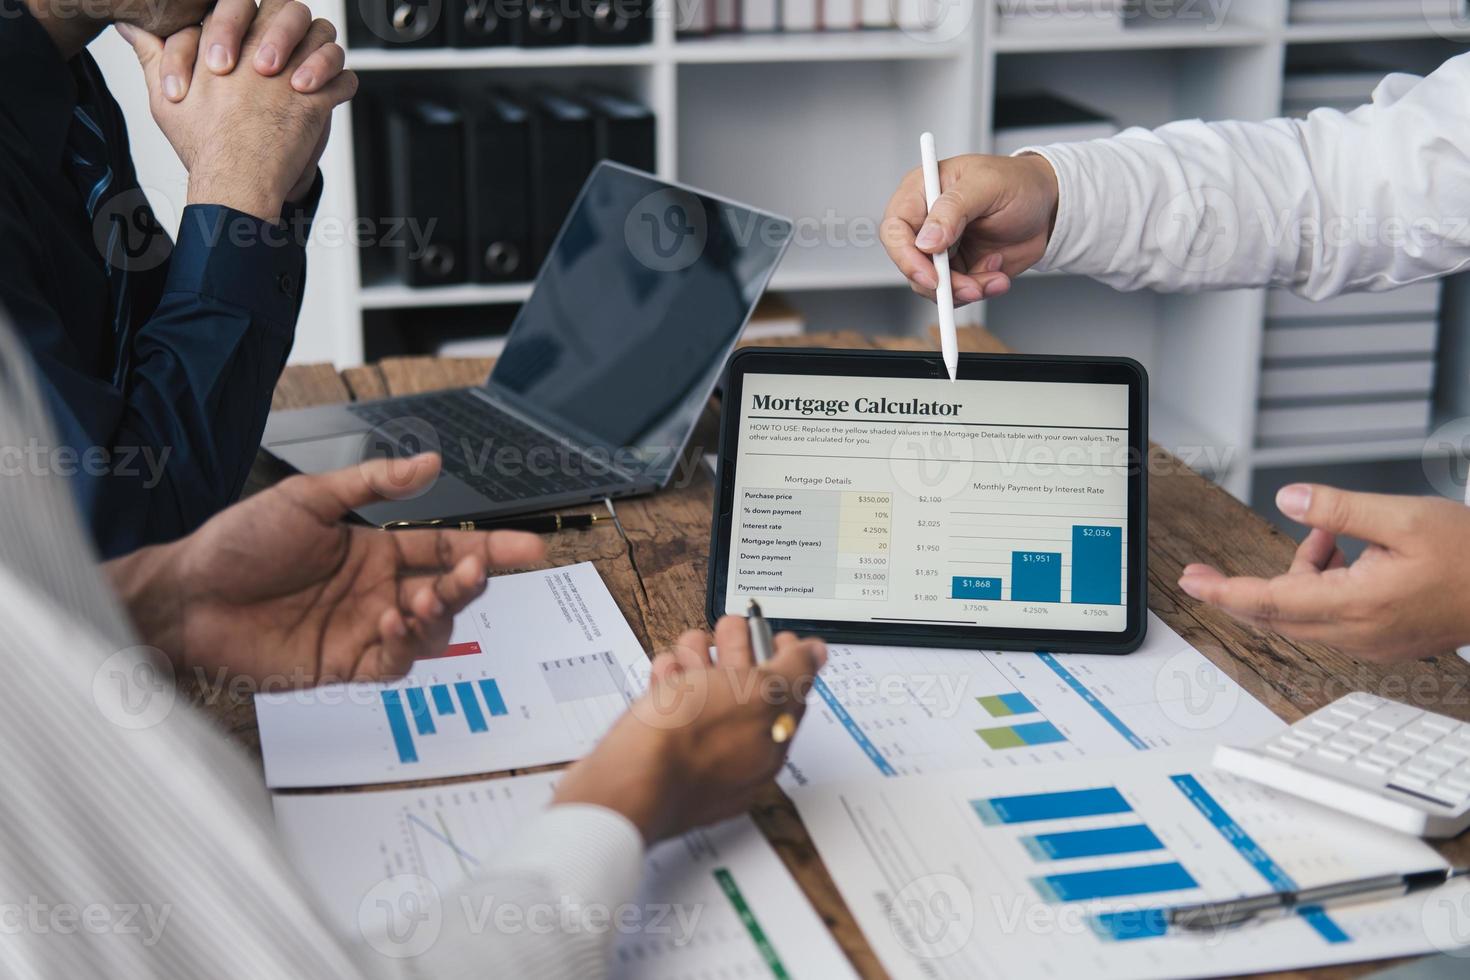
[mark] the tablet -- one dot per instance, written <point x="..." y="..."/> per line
<point x="865" y="497"/>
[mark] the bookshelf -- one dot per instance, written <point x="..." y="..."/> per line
<point x="820" y="127"/>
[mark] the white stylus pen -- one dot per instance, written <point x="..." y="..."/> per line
<point x="949" y="344"/>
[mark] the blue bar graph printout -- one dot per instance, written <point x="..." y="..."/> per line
<point x="1097" y="842"/>
<point x="1143" y="879"/>
<point x="1051" y="806"/>
<point x="398" y="725"/>
<point x="471" y="705"/>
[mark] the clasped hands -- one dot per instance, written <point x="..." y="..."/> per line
<point x="246" y="99"/>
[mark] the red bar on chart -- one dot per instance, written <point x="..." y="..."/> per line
<point x="456" y="650"/>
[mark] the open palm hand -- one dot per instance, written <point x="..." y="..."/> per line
<point x="277" y="587"/>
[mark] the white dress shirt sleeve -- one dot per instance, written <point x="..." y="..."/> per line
<point x="1367" y="200"/>
<point x="551" y="906"/>
<point x="138" y="842"/>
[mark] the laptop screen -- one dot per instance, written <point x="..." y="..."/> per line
<point x="635" y="310"/>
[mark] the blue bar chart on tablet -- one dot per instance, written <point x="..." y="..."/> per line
<point x="1005" y="506"/>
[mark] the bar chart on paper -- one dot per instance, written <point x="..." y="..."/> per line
<point x="1091" y="856"/>
<point x="590" y="691"/>
<point x="715" y="902"/>
<point x="537" y="670"/>
<point x="900" y="711"/>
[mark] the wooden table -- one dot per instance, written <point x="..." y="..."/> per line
<point x="659" y="584"/>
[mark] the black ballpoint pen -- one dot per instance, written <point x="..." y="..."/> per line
<point x="538" y="524"/>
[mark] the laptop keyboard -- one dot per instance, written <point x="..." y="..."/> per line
<point x="490" y="450"/>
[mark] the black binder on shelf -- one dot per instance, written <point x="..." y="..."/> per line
<point x="370" y="165"/>
<point x="563" y="151"/>
<point x="426" y="159"/>
<point x="549" y="23"/>
<point x="482" y="23"/>
<point x="616" y="21"/>
<point x="396" y="23"/>
<point x="499" y="190"/>
<point x="624" y="129"/>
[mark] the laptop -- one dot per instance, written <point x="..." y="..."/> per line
<point x="605" y="371"/>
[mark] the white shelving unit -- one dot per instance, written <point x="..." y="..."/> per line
<point x="821" y="127"/>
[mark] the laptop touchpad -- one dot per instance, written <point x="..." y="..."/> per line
<point x="328" y="452"/>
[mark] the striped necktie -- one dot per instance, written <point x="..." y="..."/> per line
<point x="88" y="165"/>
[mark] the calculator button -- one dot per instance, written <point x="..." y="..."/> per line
<point x="1401" y="744"/>
<point x="1283" y="751"/>
<point x="1453" y="794"/>
<point x="1456" y="782"/>
<point x="1392" y="717"/>
<point x="1387" y="759"/>
<point x="1439" y="757"/>
<point x="1364" y="733"/>
<point x="1308" y="734"/>
<point x="1363" y="699"/>
<point x="1410" y="780"/>
<point x="1419" y="732"/>
<point x="1437" y="724"/>
<point x="1324" y="722"/>
<point x="1328" y="752"/>
<point x="1421" y="770"/>
<point x="1348" y="711"/>
<point x="1369" y="764"/>
<point x="1344" y="745"/>
<point x="1454" y="747"/>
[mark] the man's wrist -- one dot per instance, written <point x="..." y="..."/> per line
<point x="640" y="789"/>
<point x="239" y="196"/>
<point x="147" y="583"/>
<point x="1046" y="177"/>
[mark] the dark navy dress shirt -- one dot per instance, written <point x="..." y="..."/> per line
<point x="158" y="358"/>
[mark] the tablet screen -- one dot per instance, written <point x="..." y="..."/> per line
<point x="989" y="503"/>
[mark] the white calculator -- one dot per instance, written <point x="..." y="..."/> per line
<point x="1372" y="758"/>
